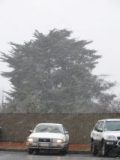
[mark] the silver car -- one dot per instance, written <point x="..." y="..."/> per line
<point x="48" y="136"/>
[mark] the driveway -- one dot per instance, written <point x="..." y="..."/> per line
<point x="9" y="155"/>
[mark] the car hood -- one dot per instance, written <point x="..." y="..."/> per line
<point x="115" y="133"/>
<point x="48" y="135"/>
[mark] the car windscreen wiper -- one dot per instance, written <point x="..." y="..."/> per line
<point x="118" y="129"/>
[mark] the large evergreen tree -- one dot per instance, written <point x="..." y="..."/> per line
<point x="53" y="73"/>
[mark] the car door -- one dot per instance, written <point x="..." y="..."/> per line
<point x="98" y="131"/>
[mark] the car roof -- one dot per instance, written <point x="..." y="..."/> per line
<point x="49" y="124"/>
<point x="111" y="119"/>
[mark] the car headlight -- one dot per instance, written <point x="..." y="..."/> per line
<point x="59" y="141"/>
<point x="30" y="140"/>
<point x="111" y="138"/>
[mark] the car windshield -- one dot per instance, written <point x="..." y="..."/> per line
<point x="112" y="126"/>
<point x="49" y="128"/>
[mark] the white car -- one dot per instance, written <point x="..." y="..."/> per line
<point x="105" y="137"/>
<point x="48" y="136"/>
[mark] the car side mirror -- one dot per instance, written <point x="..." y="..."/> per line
<point x="66" y="132"/>
<point x="100" y="130"/>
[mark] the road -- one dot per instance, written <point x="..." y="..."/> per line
<point x="9" y="155"/>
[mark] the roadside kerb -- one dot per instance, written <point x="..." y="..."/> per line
<point x="20" y="146"/>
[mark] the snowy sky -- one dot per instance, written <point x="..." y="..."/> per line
<point x="97" y="20"/>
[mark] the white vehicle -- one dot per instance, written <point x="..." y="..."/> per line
<point x="105" y="137"/>
<point x="48" y="136"/>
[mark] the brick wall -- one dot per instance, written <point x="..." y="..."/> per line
<point x="15" y="127"/>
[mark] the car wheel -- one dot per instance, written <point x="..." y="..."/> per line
<point x="30" y="151"/>
<point x="36" y="151"/>
<point x="94" y="150"/>
<point x="63" y="152"/>
<point x="103" y="149"/>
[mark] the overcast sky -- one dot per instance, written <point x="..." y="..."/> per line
<point x="97" y="20"/>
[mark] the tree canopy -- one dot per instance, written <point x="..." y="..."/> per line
<point x="53" y="73"/>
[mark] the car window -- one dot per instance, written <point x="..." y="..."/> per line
<point x="99" y="126"/>
<point x="49" y="128"/>
<point x="96" y="126"/>
<point x="112" y="125"/>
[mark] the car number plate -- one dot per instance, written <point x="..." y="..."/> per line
<point x="44" y="144"/>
